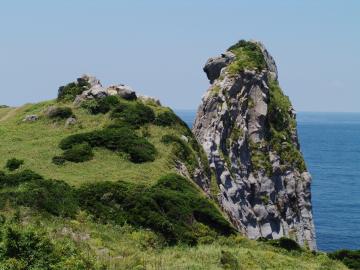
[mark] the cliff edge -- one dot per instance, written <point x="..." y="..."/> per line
<point x="247" y="127"/>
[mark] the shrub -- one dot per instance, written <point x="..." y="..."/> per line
<point x="78" y="153"/>
<point x="14" y="164"/>
<point x="9" y="180"/>
<point x="181" y="150"/>
<point x="229" y="261"/>
<point x="60" y="112"/>
<point x="58" y="160"/>
<point x="167" y="118"/>
<point x="135" y="114"/>
<point x="248" y="55"/>
<point x="282" y="126"/>
<point x="122" y="139"/>
<point x="27" y="248"/>
<point x="71" y="90"/>
<point x="351" y="258"/>
<point x="30" y="248"/>
<point x="102" y="105"/>
<point x="53" y="196"/>
<point x="285" y="243"/>
<point x="172" y="207"/>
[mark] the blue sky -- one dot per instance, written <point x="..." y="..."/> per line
<point x="159" y="47"/>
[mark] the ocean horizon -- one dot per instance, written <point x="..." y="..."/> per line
<point x="330" y="145"/>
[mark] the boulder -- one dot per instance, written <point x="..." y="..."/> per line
<point x="214" y="65"/>
<point x="88" y="79"/>
<point x="184" y="138"/>
<point x="147" y="99"/>
<point x="70" y="121"/>
<point x="31" y="118"/>
<point x="122" y="90"/>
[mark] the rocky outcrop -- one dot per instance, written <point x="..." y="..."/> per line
<point x="214" y="65"/>
<point x="97" y="91"/>
<point x="247" y="127"/>
<point x="31" y="118"/>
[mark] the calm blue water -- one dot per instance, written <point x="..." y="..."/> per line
<point x="330" y="143"/>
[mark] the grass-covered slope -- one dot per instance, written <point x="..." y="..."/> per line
<point x="117" y="201"/>
<point x="37" y="143"/>
<point x="80" y="243"/>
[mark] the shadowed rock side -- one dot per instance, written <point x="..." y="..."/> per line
<point x="247" y="127"/>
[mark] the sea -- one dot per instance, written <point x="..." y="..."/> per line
<point x="330" y="143"/>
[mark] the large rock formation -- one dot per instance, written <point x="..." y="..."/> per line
<point x="247" y="127"/>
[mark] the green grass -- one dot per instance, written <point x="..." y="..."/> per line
<point x="124" y="247"/>
<point x="282" y="126"/>
<point x="247" y="56"/>
<point x="37" y="143"/>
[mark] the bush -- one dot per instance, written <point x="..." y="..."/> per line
<point x="53" y="196"/>
<point x="30" y="249"/>
<point x="13" y="164"/>
<point x="282" y="127"/>
<point x="60" y="112"/>
<point x="102" y="105"/>
<point x="285" y="243"/>
<point x="135" y="114"/>
<point x="229" y="261"/>
<point x="172" y="207"/>
<point x="27" y="248"/>
<point x="58" y="160"/>
<point x="122" y="139"/>
<point x="167" y="118"/>
<point x="351" y="258"/>
<point x="181" y="150"/>
<point x="78" y="153"/>
<point x="71" y="90"/>
<point x="10" y="180"/>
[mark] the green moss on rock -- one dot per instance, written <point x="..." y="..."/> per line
<point x="248" y="55"/>
<point x="282" y="127"/>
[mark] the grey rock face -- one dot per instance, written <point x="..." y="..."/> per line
<point x="31" y="118"/>
<point x="123" y="91"/>
<point x="70" y="121"/>
<point x="97" y="91"/>
<point x="232" y="118"/>
<point x="147" y="99"/>
<point x="214" y="65"/>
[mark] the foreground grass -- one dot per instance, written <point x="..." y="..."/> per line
<point x="37" y="143"/>
<point x="123" y="247"/>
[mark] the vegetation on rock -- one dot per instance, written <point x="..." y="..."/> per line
<point x="248" y="55"/>
<point x="282" y="127"/>
<point x="71" y="90"/>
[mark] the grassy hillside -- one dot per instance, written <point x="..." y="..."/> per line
<point x="38" y="142"/>
<point x="117" y="202"/>
<point x="89" y="245"/>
